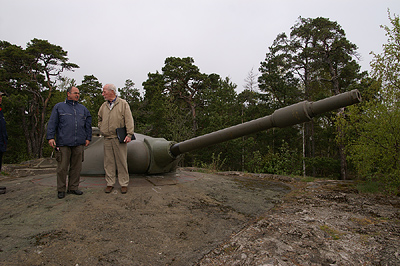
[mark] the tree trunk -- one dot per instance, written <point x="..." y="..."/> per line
<point x="310" y="143"/>
<point x="342" y="153"/>
<point x="304" y="151"/>
<point x="343" y="163"/>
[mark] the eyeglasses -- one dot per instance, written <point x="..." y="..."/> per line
<point x="75" y="92"/>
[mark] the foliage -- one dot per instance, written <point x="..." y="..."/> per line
<point x="215" y="165"/>
<point x="90" y="96"/>
<point x="180" y="85"/>
<point x="154" y="104"/>
<point x="373" y="141"/>
<point x="251" y="81"/>
<point x="370" y="187"/>
<point x="184" y="84"/>
<point x="218" y="111"/>
<point x="325" y="166"/>
<point x="386" y="66"/>
<point x="314" y="62"/>
<point x="375" y="152"/>
<point x="16" y="149"/>
<point x="283" y="162"/>
<point x="32" y="73"/>
<point x="181" y="103"/>
<point x="133" y="97"/>
<point x="278" y="78"/>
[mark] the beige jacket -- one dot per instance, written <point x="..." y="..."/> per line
<point x="119" y="116"/>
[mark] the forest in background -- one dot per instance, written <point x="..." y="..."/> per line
<point x="314" y="61"/>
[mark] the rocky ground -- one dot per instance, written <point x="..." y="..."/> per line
<point x="213" y="219"/>
<point x="318" y="223"/>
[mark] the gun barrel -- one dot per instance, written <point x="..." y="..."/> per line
<point x="284" y="117"/>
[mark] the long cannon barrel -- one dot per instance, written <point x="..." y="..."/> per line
<point x="284" y="117"/>
<point x="147" y="155"/>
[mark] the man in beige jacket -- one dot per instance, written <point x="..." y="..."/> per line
<point x="115" y="113"/>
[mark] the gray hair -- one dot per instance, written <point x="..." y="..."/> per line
<point x="111" y="87"/>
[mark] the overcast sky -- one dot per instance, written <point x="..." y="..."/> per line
<point x="127" y="39"/>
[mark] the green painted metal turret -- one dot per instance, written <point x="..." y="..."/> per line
<point x="147" y="155"/>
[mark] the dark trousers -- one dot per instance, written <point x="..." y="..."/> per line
<point x="69" y="162"/>
<point x="1" y="159"/>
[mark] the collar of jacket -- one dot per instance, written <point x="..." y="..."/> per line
<point x="71" y="102"/>
<point x="113" y="101"/>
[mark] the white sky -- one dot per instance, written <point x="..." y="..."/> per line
<point x="127" y="39"/>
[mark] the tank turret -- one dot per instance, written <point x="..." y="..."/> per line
<point x="147" y="155"/>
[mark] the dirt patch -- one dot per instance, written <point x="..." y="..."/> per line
<point x="150" y="225"/>
<point x="215" y="219"/>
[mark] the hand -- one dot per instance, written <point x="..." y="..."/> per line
<point x="52" y="143"/>
<point x="87" y="143"/>
<point x="127" y="139"/>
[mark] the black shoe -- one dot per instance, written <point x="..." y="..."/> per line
<point x="61" y="194"/>
<point x="76" y="192"/>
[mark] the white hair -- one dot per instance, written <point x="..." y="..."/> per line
<point x="111" y="87"/>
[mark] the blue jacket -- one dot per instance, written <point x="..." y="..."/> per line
<point x="3" y="132"/>
<point x="71" y="123"/>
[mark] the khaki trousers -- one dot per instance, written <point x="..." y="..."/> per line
<point x="69" y="162"/>
<point x="116" y="160"/>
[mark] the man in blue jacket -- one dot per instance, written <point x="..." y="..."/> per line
<point x="71" y="124"/>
